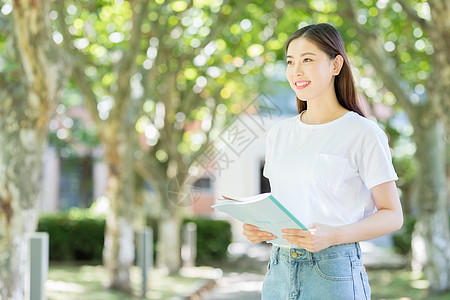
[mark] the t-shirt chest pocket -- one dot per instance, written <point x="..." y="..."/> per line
<point x="329" y="170"/>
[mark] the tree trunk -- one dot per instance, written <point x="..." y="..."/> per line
<point x="431" y="238"/>
<point x="169" y="233"/>
<point x="118" y="253"/>
<point x="20" y="180"/>
<point x="28" y="100"/>
<point x="117" y="138"/>
<point x="439" y="80"/>
<point x="169" y="243"/>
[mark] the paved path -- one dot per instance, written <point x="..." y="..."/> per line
<point x="243" y="276"/>
<point x="237" y="286"/>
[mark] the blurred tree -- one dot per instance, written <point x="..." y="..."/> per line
<point x="32" y="78"/>
<point x="103" y="38"/>
<point x="189" y="71"/>
<point x="203" y="63"/>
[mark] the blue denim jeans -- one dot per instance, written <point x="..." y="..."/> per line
<point x="334" y="273"/>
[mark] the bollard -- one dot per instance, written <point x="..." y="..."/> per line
<point x="145" y="255"/>
<point x="189" y="248"/>
<point x="38" y="265"/>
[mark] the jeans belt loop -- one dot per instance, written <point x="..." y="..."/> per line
<point x="276" y="255"/>
<point x="358" y="250"/>
<point x="310" y="258"/>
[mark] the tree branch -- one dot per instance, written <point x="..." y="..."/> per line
<point x="383" y="64"/>
<point x="127" y="66"/>
<point x="78" y="63"/>
<point x="43" y="64"/>
<point x="91" y="5"/>
<point x="158" y="31"/>
<point x="224" y="21"/>
<point x="412" y="14"/>
<point x="438" y="84"/>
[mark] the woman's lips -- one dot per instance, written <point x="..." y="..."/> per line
<point x="301" y="84"/>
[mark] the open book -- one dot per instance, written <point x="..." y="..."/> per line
<point x="263" y="211"/>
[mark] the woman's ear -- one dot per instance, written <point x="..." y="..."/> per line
<point x="338" y="62"/>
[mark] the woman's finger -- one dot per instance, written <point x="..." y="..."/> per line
<point x="250" y="227"/>
<point x="298" y="232"/>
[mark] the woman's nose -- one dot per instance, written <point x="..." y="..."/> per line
<point x="298" y="70"/>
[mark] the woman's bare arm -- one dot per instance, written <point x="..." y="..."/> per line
<point x="388" y="218"/>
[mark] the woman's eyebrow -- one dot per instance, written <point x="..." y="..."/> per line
<point x="303" y="54"/>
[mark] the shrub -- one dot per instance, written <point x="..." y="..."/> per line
<point x="74" y="235"/>
<point x="77" y="235"/>
<point x="213" y="238"/>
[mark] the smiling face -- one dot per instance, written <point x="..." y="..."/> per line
<point x="310" y="71"/>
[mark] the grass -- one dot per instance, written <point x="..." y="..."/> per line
<point x="71" y="282"/>
<point x="401" y="285"/>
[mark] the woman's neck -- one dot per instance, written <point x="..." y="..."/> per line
<point x="319" y="112"/>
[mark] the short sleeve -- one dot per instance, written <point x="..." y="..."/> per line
<point x="375" y="166"/>
<point x="269" y="153"/>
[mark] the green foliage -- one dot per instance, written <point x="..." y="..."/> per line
<point x="211" y="72"/>
<point x="213" y="238"/>
<point x="402" y="238"/>
<point x="405" y="42"/>
<point x="400" y="136"/>
<point x="78" y="235"/>
<point x="74" y="235"/>
<point x="72" y="130"/>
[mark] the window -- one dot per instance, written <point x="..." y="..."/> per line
<point x="203" y="183"/>
<point x="75" y="188"/>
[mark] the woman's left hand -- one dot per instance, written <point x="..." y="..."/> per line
<point x="316" y="238"/>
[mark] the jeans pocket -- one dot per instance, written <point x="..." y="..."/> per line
<point x="336" y="269"/>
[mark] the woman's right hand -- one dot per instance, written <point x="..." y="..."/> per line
<point x="254" y="235"/>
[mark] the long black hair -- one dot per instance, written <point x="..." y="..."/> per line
<point x="328" y="39"/>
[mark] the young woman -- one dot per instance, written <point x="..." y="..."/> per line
<point x="332" y="168"/>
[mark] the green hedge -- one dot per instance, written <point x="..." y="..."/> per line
<point x="213" y="238"/>
<point x="74" y="235"/>
<point x="77" y="235"/>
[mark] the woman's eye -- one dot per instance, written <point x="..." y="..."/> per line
<point x="307" y="60"/>
<point x="289" y="62"/>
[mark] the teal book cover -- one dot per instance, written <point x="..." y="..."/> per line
<point x="263" y="211"/>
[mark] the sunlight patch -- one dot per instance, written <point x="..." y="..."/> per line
<point x="62" y="286"/>
<point x="420" y="284"/>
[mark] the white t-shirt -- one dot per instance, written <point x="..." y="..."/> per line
<point x="323" y="173"/>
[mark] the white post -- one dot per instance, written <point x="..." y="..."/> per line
<point x="145" y="255"/>
<point x="38" y="265"/>
<point x="189" y="248"/>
